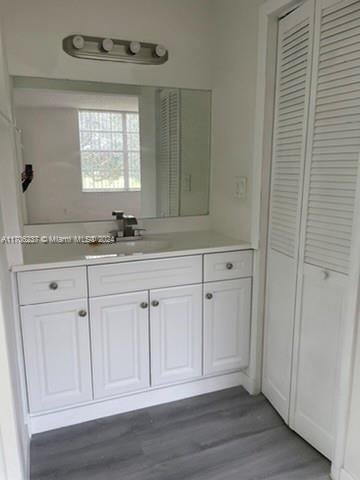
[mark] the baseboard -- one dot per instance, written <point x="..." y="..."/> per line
<point x="344" y="475"/>
<point x="251" y="385"/>
<point x="135" y="401"/>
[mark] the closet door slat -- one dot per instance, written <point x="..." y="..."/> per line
<point x="335" y="148"/>
<point x="289" y="140"/>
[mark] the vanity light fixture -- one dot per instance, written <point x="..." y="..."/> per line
<point x="115" y="50"/>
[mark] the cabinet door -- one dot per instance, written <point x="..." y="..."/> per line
<point x="176" y="334"/>
<point x="227" y="325"/>
<point x="57" y="354"/>
<point x="120" y="343"/>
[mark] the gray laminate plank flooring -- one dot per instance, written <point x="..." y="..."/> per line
<point x="226" y="435"/>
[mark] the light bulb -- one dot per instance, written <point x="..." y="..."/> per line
<point x="135" y="47"/>
<point x="160" y="51"/>
<point x="78" y="42"/>
<point x="107" y="44"/>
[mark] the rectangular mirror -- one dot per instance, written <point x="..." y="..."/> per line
<point x="97" y="147"/>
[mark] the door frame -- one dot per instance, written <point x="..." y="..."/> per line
<point x="270" y="12"/>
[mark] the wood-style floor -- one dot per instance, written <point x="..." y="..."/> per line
<point x="226" y="435"/>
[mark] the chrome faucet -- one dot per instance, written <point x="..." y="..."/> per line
<point x="126" y="227"/>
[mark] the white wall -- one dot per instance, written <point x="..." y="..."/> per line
<point x="234" y="48"/>
<point x="9" y="188"/>
<point x="195" y="114"/>
<point x="147" y="107"/>
<point x="212" y="44"/>
<point x="5" y="104"/>
<point x="13" y="434"/>
<point x="34" y="31"/>
<point x="14" y="439"/>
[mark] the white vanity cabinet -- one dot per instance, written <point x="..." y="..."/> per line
<point x="100" y="339"/>
<point x="57" y="354"/>
<point x="176" y="334"/>
<point x="120" y="343"/>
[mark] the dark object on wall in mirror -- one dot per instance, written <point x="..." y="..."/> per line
<point x="115" y="50"/>
<point x="27" y="177"/>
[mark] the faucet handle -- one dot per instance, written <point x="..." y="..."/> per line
<point x="119" y="214"/>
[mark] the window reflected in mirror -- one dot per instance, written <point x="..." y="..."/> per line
<point x="110" y="150"/>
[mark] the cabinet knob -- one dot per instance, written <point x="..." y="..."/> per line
<point x="209" y="296"/>
<point x="144" y="305"/>
<point x="82" y="313"/>
<point x="53" y="286"/>
<point x="155" y="303"/>
<point x="229" y="266"/>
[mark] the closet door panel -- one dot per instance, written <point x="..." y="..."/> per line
<point x="319" y="360"/>
<point x="291" y="110"/>
<point x="327" y="223"/>
<point x="279" y="330"/>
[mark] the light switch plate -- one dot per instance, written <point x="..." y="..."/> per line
<point x="240" y="190"/>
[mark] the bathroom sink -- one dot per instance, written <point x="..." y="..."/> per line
<point x="52" y="252"/>
<point x="150" y="244"/>
<point x="128" y="247"/>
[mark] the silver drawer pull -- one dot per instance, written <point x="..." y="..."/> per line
<point x="144" y="305"/>
<point x="229" y="266"/>
<point x="53" y="286"/>
<point x="155" y="303"/>
<point x="82" y="313"/>
<point x="209" y="296"/>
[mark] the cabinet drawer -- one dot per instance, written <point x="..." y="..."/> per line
<point x="52" y="285"/>
<point x="227" y="266"/>
<point x="143" y="275"/>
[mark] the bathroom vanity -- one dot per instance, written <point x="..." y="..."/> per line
<point x="105" y="332"/>
<point x="108" y="328"/>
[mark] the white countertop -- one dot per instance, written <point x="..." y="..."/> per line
<point x="42" y="256"/>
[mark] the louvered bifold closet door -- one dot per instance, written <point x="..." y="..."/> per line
<point x="328" y="215"/>
<point x="291" y="113"/>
